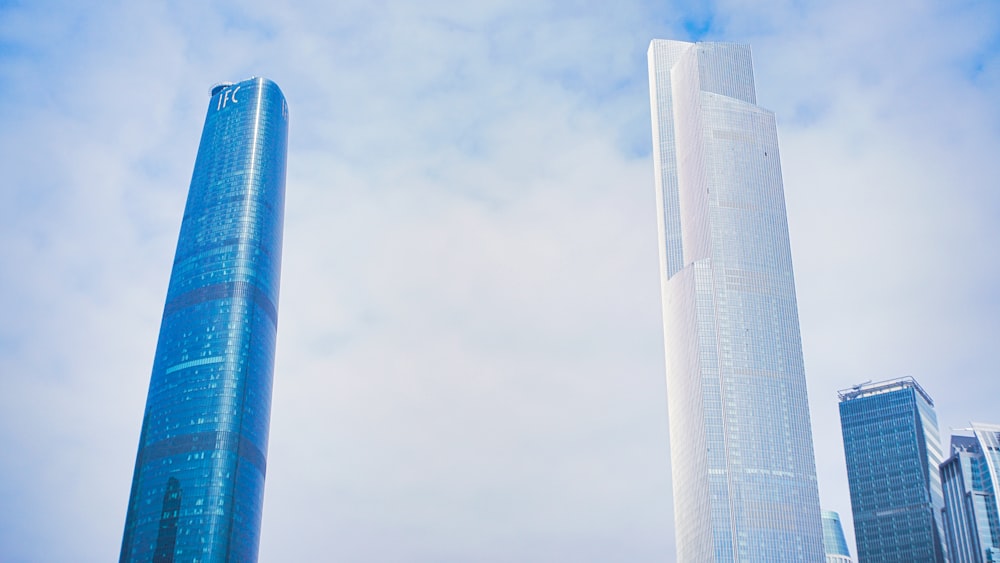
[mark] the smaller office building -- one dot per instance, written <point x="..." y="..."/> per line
<point x="893" y="453"/>
<point x="969" y="477"/>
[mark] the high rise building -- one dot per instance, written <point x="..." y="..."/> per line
<point x="744" y="475"/>
<point x="834" y="541"/>
<point x="969" y="479"/>
<point x="198" y="485"/>
<point x="893" y="451"/>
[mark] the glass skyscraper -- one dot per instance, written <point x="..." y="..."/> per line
<point x="834" y="541"/>
<point x="969" y="480"/>
<point x="893" y="452"/>
<point x="198" y="485"/>
<point x="744" y="474"/>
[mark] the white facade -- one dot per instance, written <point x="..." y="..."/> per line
<point x="744" y="475"/>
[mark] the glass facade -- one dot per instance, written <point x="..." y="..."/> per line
<point x="971" y="513"/>
<point x="744" y="475"/>
<point x="893" y="452"/>
<point x="198" y="485"/>
<point x="834" y="541"/>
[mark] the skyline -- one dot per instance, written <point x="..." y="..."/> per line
<point x="512" y="125"/>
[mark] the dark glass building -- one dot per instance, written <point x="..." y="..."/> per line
<point x="893" y="451"/>
<point x="198" y="485"/>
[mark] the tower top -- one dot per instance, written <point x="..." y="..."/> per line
<point x="867" y="389"/>
<point x="220" y="86"/>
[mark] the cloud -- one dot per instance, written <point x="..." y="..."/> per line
<point x="469" y="359"/>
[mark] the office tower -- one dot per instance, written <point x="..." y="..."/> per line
<point x="969" y="478"/>
<point x="198" y="484"/>
<point x="834" y="541"/>
<point x="893" y="452"/>
<point x="744" y="475"/>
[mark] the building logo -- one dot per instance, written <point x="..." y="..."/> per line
<point x="228" y="95"/>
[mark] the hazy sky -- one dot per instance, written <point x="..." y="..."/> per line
<point x="470" y="357"/>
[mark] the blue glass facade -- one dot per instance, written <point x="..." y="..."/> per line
<point x="971" y="514"/>
<point x="198" y="485"/>
<point x="743" y="469"/>
<point x="893" y="451"/>
<point x="834" y="541"/>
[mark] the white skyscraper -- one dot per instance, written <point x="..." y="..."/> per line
<point x="744" y="474"/>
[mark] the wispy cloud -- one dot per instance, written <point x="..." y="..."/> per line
<point x="469" y="358"/>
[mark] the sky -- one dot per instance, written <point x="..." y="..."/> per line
<point x="470" y="353"/>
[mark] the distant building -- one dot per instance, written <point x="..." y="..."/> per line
<point x="744" y="474"/>
<point x="969" y="479"/>
<point x="834" y="541"/>
<point x="893" y="453"/>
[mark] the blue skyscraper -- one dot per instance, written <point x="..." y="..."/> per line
<point x="969" y="479"/>
<point x="893" y="451"/>
<point x="198" y="485"/>
<point x="744" y="474"/>
<point x="834" y="541"/>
